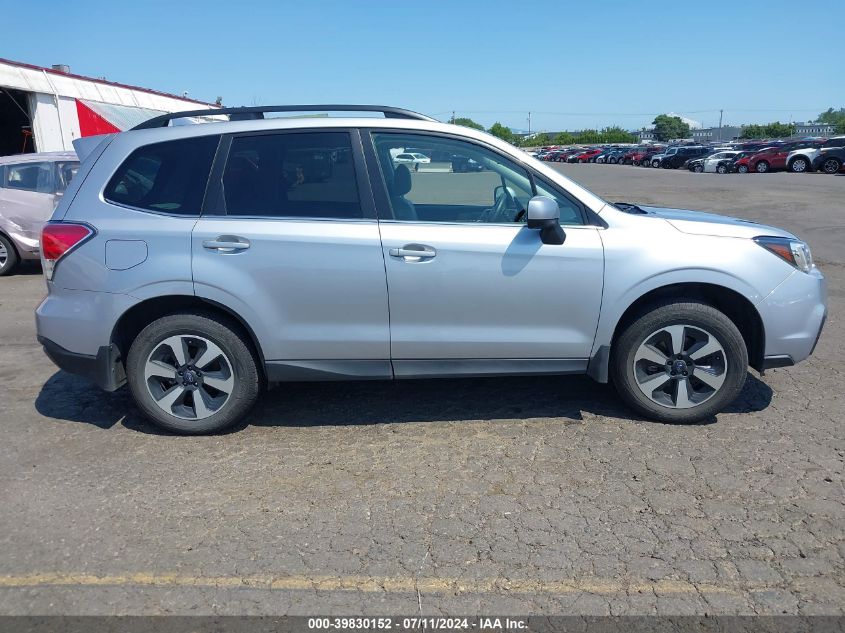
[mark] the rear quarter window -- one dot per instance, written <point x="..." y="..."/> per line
<point x="168" y="177"/>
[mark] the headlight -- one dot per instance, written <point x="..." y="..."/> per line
<point x="793" y="252"/>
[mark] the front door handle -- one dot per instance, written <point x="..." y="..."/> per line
<point x="227" y="244"/>
<point x="413" y="252"/>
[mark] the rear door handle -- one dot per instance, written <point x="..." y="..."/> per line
<point x="226" y="244"/>
<point x="413" y="252"/>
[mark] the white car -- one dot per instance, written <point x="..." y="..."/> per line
<point x="411" y="157"/>
<point x="711" y="163"/>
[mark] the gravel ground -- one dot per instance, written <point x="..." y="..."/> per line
<point x="531" y="495"/>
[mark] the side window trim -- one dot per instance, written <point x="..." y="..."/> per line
<point x="162" y="212"/>
<point x="377" y="178"/>
<point x="214" y="202"/>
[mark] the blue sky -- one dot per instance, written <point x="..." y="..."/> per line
<point x="573" y="64"/>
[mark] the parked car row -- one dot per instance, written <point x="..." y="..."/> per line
<point x="824" y="155"/>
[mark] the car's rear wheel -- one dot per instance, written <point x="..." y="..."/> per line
<point x="9" y="259"/>
<point x="762" y="167"/>
<point x="193" y="373"/>
<point x="679" y="362"/>
<point x="698" y="169"/>
<point x="721" y="169"/>
<point x="799" y="165"/>
<point x="742" y="169"/>
<point x="831" y="166"/>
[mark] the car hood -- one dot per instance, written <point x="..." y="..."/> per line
<point x="701" y="223"/>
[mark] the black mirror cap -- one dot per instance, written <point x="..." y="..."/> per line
<point x="552" y="234"/>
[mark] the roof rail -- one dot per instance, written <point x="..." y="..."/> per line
<point x="257" y="112"/>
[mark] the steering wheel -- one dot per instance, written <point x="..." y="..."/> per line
<point x="505" y="210"/>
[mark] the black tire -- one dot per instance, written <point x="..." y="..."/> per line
<point x="698" y="169"/>
<point x="742" y="169"/>
<point x="665" y="314"/>
<point x="762" y="167"/>
<point x="721" y="169"/>
<point x="227" y="336"/>
<point x="831" y="165"/>
<point x="10" y="261"/>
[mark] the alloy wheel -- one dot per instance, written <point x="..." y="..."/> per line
<point x="830" y="166"/>
<point x="4" y="255"/>
<point x="189" y="377"/>
<point x="680" y="366"/>
<point x="799" y="165"/>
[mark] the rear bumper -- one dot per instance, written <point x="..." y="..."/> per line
<point x="103" y="370"/>
<point x="793" y="316"/>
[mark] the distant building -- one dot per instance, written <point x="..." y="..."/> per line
<point x="644" y="136"/>
<point x="814" y="129"/>
<point x="710" y="134"/>
<point x="45" y="109"/>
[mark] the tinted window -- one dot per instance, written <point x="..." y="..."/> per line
<point x="308" y="175"/>
<point x="168" y="177"/>
<point x="36" y="177"/>
<point x="66" y="171"/>
<point x="471" y="184"/>
<point x="835" y="142"/>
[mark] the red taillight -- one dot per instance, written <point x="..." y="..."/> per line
<point x="57" y="238"/>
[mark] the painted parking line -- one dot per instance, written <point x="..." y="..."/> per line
<point x="373" y="584"/>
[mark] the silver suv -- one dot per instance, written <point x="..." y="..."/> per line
<point x="197" y="263"/>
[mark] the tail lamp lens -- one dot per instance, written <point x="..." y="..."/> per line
<point x="57" y="240"/>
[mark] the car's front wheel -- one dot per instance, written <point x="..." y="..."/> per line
<point x="679" y="362"/>
<point x="799" y="165"/>
<point x="698" y="169"/>
<point x="8" y="256"/>
<point x="193" y="373"/>
<point x="762" y="167"/>
<point x="721" y="169"/>
<point x="831" y="166"/>
<point x="742" y="169"/>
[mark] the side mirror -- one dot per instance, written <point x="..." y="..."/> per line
<point x="544" y="214"/>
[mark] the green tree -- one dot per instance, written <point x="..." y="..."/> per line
<point x="537" y="140"/>
<point x="770" y="130"/>
<point x="779" y="130"/>
<point x="668" y="127"/>
<point x="503" y="132"/>
<point x="753" y="131"/>
<point x="565" y="138"/>
<point x="467" y="122"/>
<point x="834" y="117"/>
<point x="616" y="134"/>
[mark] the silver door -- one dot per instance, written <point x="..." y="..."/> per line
<point x="296" y="251"/>
<point x="466" y="278"/>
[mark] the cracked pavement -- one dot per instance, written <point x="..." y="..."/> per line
<point x="515" y="495"/>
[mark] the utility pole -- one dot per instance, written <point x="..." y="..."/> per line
<point x="453" y="117"/>
<point x="529" y="124"/>
<point x="720" y="125"/>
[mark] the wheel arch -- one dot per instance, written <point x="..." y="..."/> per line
<point x="136" y="318"/>
<point x="738" y="308"/>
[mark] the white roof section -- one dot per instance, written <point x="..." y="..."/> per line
<point x="36" y="158"/>
<point x="30" y="78"/>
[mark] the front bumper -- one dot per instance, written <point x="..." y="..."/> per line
<point x="104" y="369"/>
<point x="793" y="316"/>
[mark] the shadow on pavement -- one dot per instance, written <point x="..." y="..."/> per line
<point x="70" y="398"/>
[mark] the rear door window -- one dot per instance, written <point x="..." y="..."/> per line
<point x="168" y="177"/>
<point x="291" y="175"/>
<point x="36" y="177"/>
